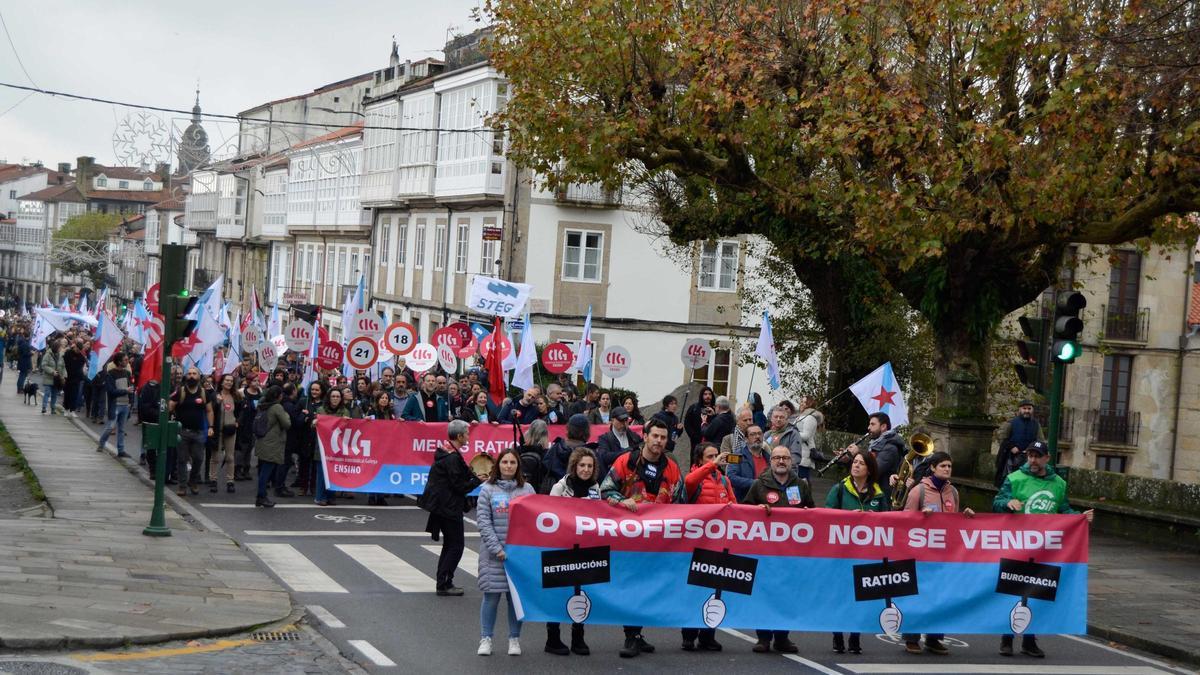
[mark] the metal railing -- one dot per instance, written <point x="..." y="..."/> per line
<point x="588" y="193"/>
<point x="1066" y="421"/>
<point x="1118" y="427"/>
<point x="1129" y="324"/>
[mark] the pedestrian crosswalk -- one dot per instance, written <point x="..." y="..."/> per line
<point x="313" y="568"/>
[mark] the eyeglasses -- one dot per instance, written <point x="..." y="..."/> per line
<point x="781" y="459"/>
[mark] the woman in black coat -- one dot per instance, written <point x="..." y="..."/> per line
<point x="691" y="418"/>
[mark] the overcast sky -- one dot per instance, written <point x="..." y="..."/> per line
<point x="243" y="53"/>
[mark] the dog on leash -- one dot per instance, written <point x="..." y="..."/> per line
<point x="31" y="393"/>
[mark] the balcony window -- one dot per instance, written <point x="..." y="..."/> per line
<point x="582" y="255"/>
<point x="439" y="247"/>
<point x="718" y="266"/>
<point x="460" y="257"/>
<point x="401" y="241"/>
<point x="419" y="246"/>
<point x="716" y="372"/>
<point x="385" y="238"/>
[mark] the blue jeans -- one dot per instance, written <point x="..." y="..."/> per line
<point x="318" y="472"/>
<point x="22" y="375"/>
<point x="266" y="471"/>
<point x="487" y="615"/>
<point x="117" y="421"/>
<point x="51" y="397"/>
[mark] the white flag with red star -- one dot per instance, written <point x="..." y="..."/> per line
<point x="879" y="392"/>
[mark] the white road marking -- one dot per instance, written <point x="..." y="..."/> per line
<point x="997" y="669"/>
<point x="361" y="507"/>
<point x="340" y="533"/>
<point x="1145" y="659"/>
<point x="387" y="566"/>
<point x="368" y="650"/>
<point x="468" y="564"/>
<point x="325" y="616"/>
<point x="296" y="570"/>
<point x="794" y="657"/>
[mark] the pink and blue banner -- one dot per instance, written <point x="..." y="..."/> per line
<point x="737" y="566"/>
<point x="394" y="456"/>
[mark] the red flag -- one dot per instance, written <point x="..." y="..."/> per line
<point x="495" y="369"/>
<point x="152" y="364"/>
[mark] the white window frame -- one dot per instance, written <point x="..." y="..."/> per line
<point x="440" y="230"/>
<point x="578" y="275"/>
<point x="123" y="184"/>
<point x="385" y="238"/>
<point x="460" y="257"/>
<point x="419" y="246"/>
<point x="715" y="258"/>
<point x="401" y="241"/>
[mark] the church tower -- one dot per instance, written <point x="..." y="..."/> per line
<point x="193" y="146"/>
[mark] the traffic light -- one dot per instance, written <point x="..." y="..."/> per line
<point x="175" y="309"/>
<point x="1032" y="368"/>
<point x="1067" y="327"/>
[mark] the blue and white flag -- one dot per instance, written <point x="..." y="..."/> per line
<point x="879" y="392"/>
<point x="527" y="360"/>
<point x="108" y="337"/>
<point x="583" y="357"/>
<point x="766" y="351"/>
<point x="498" y="297"/>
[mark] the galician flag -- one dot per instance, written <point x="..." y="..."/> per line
<point x="583" y="359"/>
<point x="766" y="351"/>
<point x="523" y="377"/>
<point x="879" y="392"/>
<point x="108" y="337"/>
<point x="310" y="372"/>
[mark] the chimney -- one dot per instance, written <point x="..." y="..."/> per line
<point x="64" y="167"/>
<point x="85" y="168"/>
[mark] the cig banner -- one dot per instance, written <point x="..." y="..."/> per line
<point x="796" y="569"/>
<point x="393" y="456"/>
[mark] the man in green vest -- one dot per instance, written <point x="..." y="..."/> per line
<point x="1034" y="488"/>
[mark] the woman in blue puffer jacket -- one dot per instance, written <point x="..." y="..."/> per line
<point x="495" y="498"/>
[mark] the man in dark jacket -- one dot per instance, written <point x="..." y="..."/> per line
<point x="618" y="440"/>
<point x="887" y="446"/>
<point x="778" y="487"/>
<point x="1016" y="435"/>
<point x="445" y="498"/>
<point x="591" y="398"/>
<point x="24" y="360"/>
<point x="556" y="457"/>
<point x="75" y="361"/>
<point x="521" y="410"/>
<point x="714" y="429"/>
<point x="426" y="405"/>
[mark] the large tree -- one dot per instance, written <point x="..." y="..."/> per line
<point x="945" y="150"/>
<point x="81" y="245"/>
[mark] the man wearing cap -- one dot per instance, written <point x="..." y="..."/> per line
<point x="1016" y="435"/>
<point x="1032" y="489"/>
<point x="620" y="438"/>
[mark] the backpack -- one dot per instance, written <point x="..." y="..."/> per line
<point x="262" y="423"/>
<point x="534" y="469"/>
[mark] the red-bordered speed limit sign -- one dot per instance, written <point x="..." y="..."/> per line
<point x="400" y="337"/>
<point x="362" y="352"/>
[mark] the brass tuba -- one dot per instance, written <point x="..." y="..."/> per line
<point x="921" y="446"/>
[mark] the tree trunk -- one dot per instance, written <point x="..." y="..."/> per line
<point x="961" y="370"/>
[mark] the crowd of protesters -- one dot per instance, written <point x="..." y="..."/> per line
<point x="249" y="425"/>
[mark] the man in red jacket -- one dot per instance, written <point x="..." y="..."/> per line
<point x="643" y="474"/>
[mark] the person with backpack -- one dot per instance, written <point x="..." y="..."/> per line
<point x="706" y="483"/>
<point x="859" y="491"/>
<point x="934" y="494"/>
<point x="580" y="482"/>
<point x="532" y="452"/>
<point x="556" y="458"/>
<point x="251" y="394"/>
<point x="271" y="424"/>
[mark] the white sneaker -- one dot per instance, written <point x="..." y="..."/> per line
<point x="514" y="646"/>
<point x="485" y="647"/>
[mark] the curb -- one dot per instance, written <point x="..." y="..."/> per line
<point x="1147" y="645"/>
<point x="178" y="505"/>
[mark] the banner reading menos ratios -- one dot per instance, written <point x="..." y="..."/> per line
<point x="811" y="569"/>
<point x="393" y="456"/>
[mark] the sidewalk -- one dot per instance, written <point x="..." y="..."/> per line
<point x="1141" y="596"/>
<point x="88" y="577"/>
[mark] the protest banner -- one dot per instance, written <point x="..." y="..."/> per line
<point x="394" y="456"/>
<point x="797" y="569"/>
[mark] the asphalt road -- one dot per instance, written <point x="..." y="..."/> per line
<point x="366" y="575"/>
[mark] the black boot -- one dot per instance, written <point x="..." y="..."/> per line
<point x="577" y="644"/>
<point x="1006" y="645"/>
<point x="855" y="646"/>
<point x="264" y="501"/>
<point x="1029" y="647"/>
<point x="630" y="649"/>
<point x="554" y="643"/>
<point x="839" y="644"/>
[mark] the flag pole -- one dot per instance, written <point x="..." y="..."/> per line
<point x="750" y="393"/>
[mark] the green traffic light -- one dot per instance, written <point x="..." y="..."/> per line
<point x="183" y="293"/>
<point x="1067" y="351"/>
